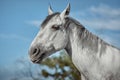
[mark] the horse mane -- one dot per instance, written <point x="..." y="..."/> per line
<point x="88" y="39"/>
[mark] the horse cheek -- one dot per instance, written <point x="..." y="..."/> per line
<point x="60" y="43"/>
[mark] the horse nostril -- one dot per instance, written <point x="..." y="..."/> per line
<point x="35" y="50"/>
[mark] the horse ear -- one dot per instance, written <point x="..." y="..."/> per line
<point x="50" y="11"/>
<point x="66" y="12"/>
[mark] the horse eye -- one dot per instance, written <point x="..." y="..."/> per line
<point x="55" y="27"/>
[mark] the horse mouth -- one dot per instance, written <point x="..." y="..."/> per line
<point x="39" y="59"/>
<point x="40" y="55"/>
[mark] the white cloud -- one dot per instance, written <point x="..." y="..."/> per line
<point x="106" y="10"/>
<point x="100" y="17"/>
<point x="35" y="23"/>
<point x="13" y="36"/>
<point x="109" y="17"/>
<point x="103" y="24"/>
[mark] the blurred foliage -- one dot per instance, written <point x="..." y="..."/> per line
<point x="62" y="66"/>
<point x="52" y="68"/>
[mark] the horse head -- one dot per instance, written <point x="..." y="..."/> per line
<point x="52" y="36"/>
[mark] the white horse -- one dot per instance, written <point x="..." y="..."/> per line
<point x="94" y="58"/>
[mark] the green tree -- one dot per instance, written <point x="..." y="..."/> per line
<point x="63" y="66"/>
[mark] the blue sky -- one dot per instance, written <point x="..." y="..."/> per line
<point x="20" y="20"/>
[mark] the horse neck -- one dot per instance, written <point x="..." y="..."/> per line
<point x="80" y="39"/>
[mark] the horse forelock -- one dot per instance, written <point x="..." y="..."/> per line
<point x="48" y="18"/>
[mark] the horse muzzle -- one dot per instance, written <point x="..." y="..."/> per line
<point x="38" y="53"/>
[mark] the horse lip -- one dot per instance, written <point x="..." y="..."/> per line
<point x="39" y="59"/>
<point x="36" y="61"/>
